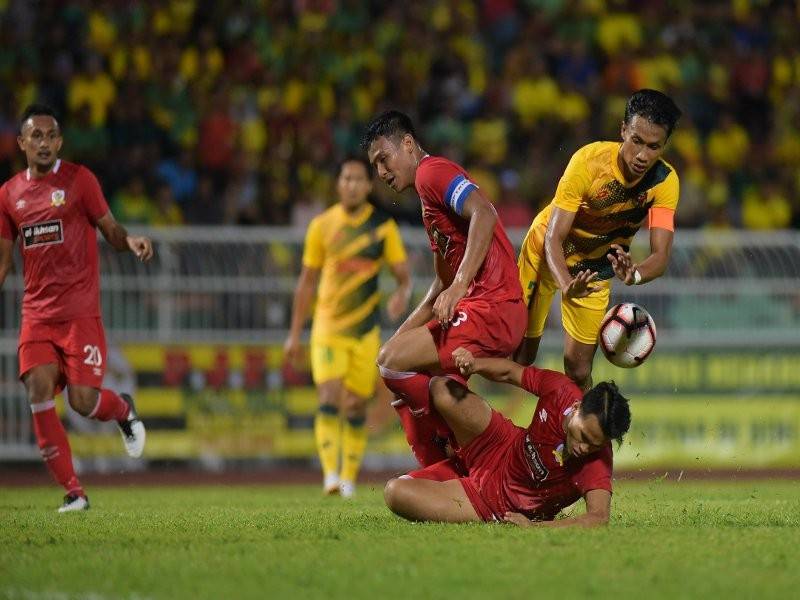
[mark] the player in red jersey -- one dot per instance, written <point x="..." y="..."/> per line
<point x="516" y="474"/>
<point x="475" y="300"/>
<point x="54" y="207"/>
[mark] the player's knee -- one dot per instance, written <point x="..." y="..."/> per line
<point x="40" y="389"/>
<point x="446" y="393"/>
<point x="580" y="372"/>
<point x="82" y="400"/>
<point x="386" y="356"/>
<point x="394" y="493"/>
<point x="354" y="407"/>
<point x="440" y="393"/>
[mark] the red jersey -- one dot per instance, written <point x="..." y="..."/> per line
<point x="526" y="470"/>
<point x="443" y="187"/>
<point x="55" y="218"/>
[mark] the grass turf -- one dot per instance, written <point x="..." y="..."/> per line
<point x="666" y="540"/>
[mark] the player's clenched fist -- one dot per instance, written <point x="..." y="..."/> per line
<point x="141" y="246"/>
<point x="464" y="360"/>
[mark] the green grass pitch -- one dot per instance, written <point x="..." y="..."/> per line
<point x="666" y="540"/>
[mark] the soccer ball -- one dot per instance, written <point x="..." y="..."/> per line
<point x="627" y="335"/>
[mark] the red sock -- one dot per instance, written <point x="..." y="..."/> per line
<point x="109" y="407"/>
<point x="426" y="431"/>
<point x="54" y="446"/>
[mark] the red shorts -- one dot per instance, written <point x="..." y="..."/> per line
<point x="485" y="328"/>
<point x="78" y="347"/>
<point x="484" y="458"/>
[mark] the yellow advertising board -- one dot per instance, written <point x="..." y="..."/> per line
<point x="690" y="410"/>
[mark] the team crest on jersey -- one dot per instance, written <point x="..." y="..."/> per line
<point x="543" y="416"/>
<point x="21" y="204"/>
<point x="558" y="453"/>
<point x="538" y="471"/>
<point x="58" y="198"/>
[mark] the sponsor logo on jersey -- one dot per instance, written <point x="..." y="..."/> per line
<point x="440" y="240"/>
<point x="21" y="204"/>
<point x="58" y="198"/>
<point x="42" y="234"/>
<point x="538" y="471"/>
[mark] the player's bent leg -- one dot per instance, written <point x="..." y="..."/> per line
<point x="106" y="405"/>
<point x="40" y="383"/>
<point x="399" y="361"/>
<point x="413" y="350"/>
<point x="467" y="414"/>
<point x="526" y="353"/>
<point x="328" y="433"/>
<point x="354" y="440"/>
<point x="426" y="500"/>
<point x="578" y="358"/>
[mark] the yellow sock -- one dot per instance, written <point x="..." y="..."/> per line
<point x="328" y="433"/>
<point x="354" y="443"/>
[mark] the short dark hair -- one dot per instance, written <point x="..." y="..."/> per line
<point x="611" y="408"/>
<point x="654" y="106"/>
<point x="389" y="124"/>
<point x="36" y="110"/>
<point x="357" y="158"/>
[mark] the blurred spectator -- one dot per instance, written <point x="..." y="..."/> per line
<point x="244" y="107"/>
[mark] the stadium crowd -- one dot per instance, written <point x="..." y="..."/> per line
<point x="238" y="111"/>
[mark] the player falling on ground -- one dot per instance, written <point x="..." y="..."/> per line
<point x="347" y="245"/>
<point x="54" y="207"/>
<point x="521" y="475"/>
<point x="475" y="299"/>
<point x="581" y="239"/>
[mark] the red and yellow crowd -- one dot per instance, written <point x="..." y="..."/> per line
<point x="207" y="112"/>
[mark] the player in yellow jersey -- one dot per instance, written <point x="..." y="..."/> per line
<point x="580" y="241"/>
<point x="345" y="248"/>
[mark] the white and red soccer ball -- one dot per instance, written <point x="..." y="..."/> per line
<point x="627" y="335"/>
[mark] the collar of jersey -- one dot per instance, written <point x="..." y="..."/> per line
<point x="359" y="219"/>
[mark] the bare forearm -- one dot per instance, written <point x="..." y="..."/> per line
<point x="479" y="238"/>
<point x="424" y="310"/>
<point x="117" y="237"/>
<point x="498" y="369"/>
<point x="554" y="254"/>
<point x="301" y="304"/>
<point x="652" y="267"/>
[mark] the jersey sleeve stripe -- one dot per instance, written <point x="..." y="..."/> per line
<point x="457" y="193"/>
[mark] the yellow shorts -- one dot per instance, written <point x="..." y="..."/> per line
<point x="347" y="358"/>
<point x="580" y="317"/>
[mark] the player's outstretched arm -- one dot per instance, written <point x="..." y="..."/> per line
<point x="598" y="511"/>
<point x="651" y="267"/>
<point x="118" y="237"/>
<point x="497" y="369"/>
<point x="557" y="230"/>
<point x="6" y="258"/>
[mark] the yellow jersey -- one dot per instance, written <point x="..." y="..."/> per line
<point x="350" y="250"/>
<point x="607" y="210"/>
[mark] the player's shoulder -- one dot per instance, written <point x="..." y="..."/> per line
<point x="598" y="148"/>
<point x="595" y="156"/>
<point x="329" y="217"/>
<point x="379" y="217"/>
<point x="661" y="173"/>
<point x="17" y="179"/>
<point x="435" y="167"/>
